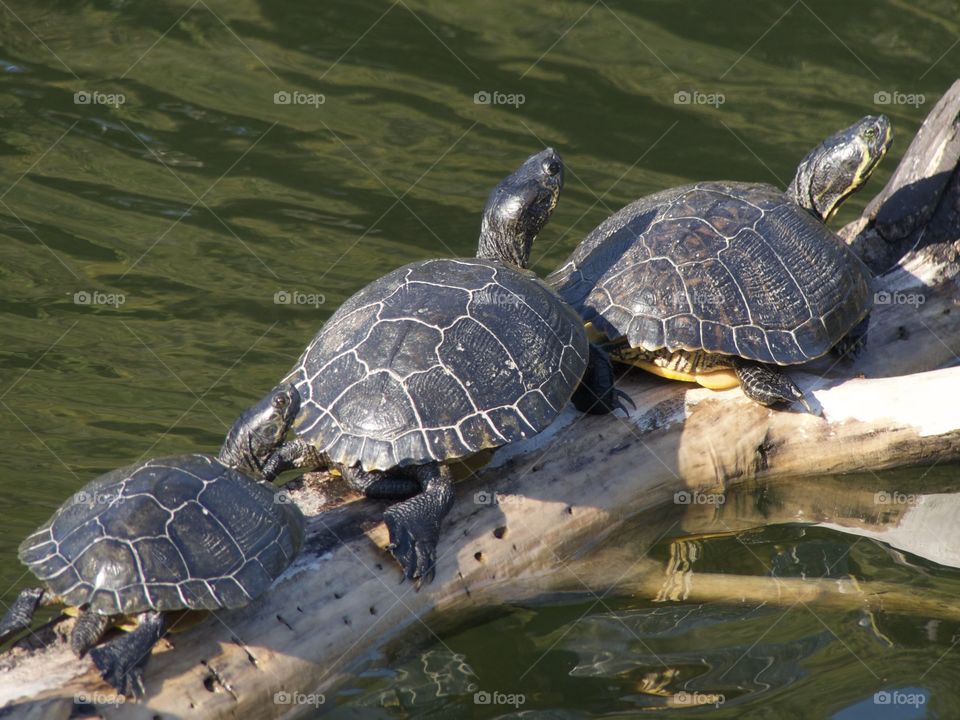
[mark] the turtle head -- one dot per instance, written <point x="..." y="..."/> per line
<point x="518" y="208"/>
<point x="840" y="165"/>
<point x="259" y="431"/>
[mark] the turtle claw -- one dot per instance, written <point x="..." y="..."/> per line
<point x="809" y="408"/>
<point x="769" y="386"/>
<point x="121" y="662"/>
<point x="620" y="398"/>
<point x="125" y="680"/>
<point x="416" y="555"/>
<point x="414" y="524"/>
<point x="426" y="562"/>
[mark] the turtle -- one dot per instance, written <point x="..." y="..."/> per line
<point x="441" y="359"/>
<point x="722" y="283"/>
<point x="191" y="532"/>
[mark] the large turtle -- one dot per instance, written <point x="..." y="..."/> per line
<point x="721" y="282"/>
<point x="192" y="532"/>
<point x="441" y="359"/>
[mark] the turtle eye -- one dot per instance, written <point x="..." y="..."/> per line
<point x="870" y="133"/>
<point x="551" y="167"/>
<point x="280" y="401"/>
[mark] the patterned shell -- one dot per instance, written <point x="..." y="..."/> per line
<point x="166" y="534"/>
<point x="437" y="360"/>
<point x="730" y="268"/>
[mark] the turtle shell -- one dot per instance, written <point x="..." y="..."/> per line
<point x="166" y="534"/>
<point x="438" y="360"/>
<point x="730" y="268"/>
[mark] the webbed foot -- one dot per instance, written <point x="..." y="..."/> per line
<point x="769" y="386"/>
<point x="414" y="524"/>
<point x="597" y="394"/>
<point x="853" y="342"/>
<point x="20" y="614"/>
<point x="122" y="662"/>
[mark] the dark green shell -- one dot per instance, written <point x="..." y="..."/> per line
<point x="166" y="534"/>
<point x="438" y="360"/>
<point x="731" y="268"/>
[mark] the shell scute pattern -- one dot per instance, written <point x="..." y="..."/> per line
<point x="730" y="268"/>
<point x="438" y="360"/>
<point x="183" y="532"/>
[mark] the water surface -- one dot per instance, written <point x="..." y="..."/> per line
<point x="158" y="197"/>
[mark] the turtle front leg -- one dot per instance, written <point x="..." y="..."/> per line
<point x="377" y="484"/>
<point x="597" y="393"/>
<point x="87" y="631"/>
<point x="122" y="662"/>
<point x="768" y="386"/>
<point x="414" y="524"/>
<point x="20" y="615"/>
<point x="297" y="453"/>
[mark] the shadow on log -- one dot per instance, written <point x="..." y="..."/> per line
<point x="566" y="494"/>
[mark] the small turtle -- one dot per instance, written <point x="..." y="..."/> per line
<point x="720" y="282"/>
<point x="193" y="532"/>
<point x="441" y="359"/>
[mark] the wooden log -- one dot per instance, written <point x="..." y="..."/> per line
<point x="561" y="496"/>
<point x="919" y="205"/>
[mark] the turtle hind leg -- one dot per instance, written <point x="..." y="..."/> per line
<point x="768" y="386"/>
<point x="853" y="342"/>
<point x="121" y="662"/>
<point x="20" y="614"/>
<point x="597" y="394"/>
<point x="414" y="524"/>
<point x="378" y="484"/>
<point x="87" y="632"/>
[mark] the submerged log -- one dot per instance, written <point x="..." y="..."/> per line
<point x="534" y="521"/>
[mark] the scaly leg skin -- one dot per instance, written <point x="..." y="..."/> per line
<point x="121" y="662"/>
<point x="377" y="484"/>
<point x="87" y="632"/>
<point x="853" y="342"/>
<point x="296" y="453"/>
<point x="20" y="614"/>
<point x="414" y="524"/>
<point x="768" y="386"/>
<point x="597" y="394"/>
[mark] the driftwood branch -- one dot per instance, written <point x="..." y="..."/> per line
<point x="566" y="492"/>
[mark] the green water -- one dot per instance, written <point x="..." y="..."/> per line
<point x="199" y="198"/>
